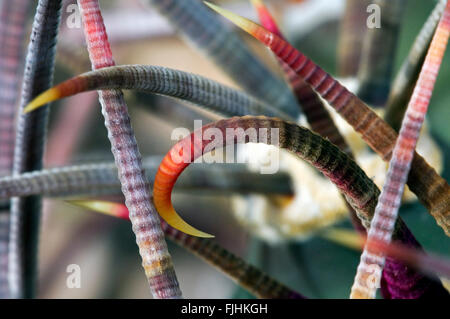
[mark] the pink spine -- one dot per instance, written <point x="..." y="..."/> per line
<point x="156" y="259"/>
<point x="386" y="211"/>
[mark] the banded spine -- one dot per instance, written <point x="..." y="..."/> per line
<point x="160" y="80"/>
<point x="225" y="47"/>
<point x="431" y="189"/>
<point x="406" y="77"/>
<point x="386" y="211"/>
<point x="156" y="259"/>
<point x="29" y="149"/>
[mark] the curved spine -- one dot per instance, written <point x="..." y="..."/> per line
<point x="225" y="47"/>
<point x="406" y="77"/>
<point x="386" y="211"/>
<point x="431" y="189"/>
<point x="249" y="277"/>
<point x="359" y="190"/>
<point x="164" y="81"/>
<point x="311" y="104"/>
<point x="156" y="259"/>
<point x="101" y="179"/>
<point x="29" y="149"/>
<point x="334" y="164"/>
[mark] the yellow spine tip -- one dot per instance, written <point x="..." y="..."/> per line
<point x="175" y="220"/>
<point x="103" y="207"/>
<point x="241" y="22"/>
<point x="347" y="238"/>
<point x="46" y="97"/>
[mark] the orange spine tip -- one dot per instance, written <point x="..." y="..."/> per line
<point x="70" y="87"/>
<point x="104" y="207"/>
<point x="243" y="23"/>
<point x="165" y="179"/>
<point x="42" y="99"/>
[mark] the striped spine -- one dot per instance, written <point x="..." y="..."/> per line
<point x="360" y="191"/>
<point x="156" y="259"/>
<point x="4" y="239"/>
<point x="247" y="276"/>
<point x="431" y="189"/>
<point x="101" y="179"/>
<point x="160" y="80"/>
<point x="326" y="157"/>
<point x="426" y="263"/>
<point x="225" y="47"/>
<point x="316" y="114"/>
<point x="406" y="77"/>
<point x="29" y="148"/>
<point x="244" y="274"/>
<point x="389" y="202"/>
